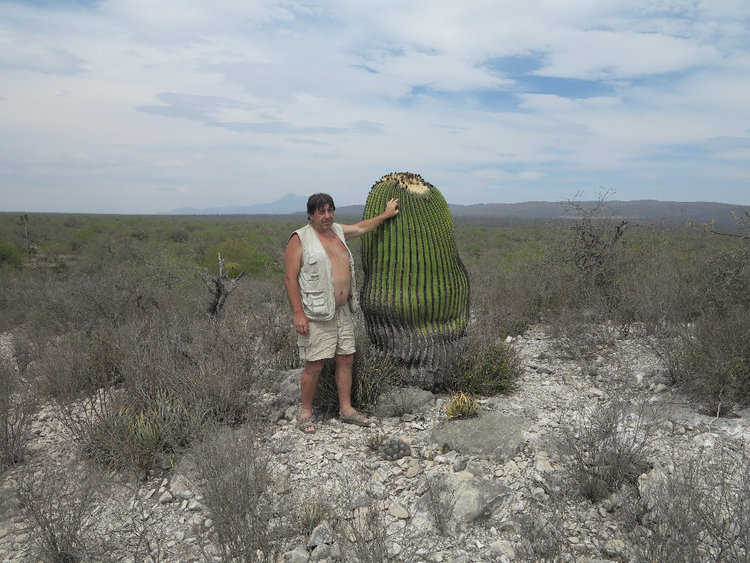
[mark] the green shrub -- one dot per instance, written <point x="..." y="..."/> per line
<point x="487" y="370"/>
<point x="122" y="437"/>
<point x="247" y="259"/>
<point x="311" y="513"/>
<point x="10" y="254"/>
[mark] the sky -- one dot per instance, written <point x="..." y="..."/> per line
<point x="145" y="106"/>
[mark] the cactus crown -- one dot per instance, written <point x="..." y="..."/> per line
<point x="414" y="183"/>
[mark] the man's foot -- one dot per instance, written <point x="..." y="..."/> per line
<point x="306" y="425"/>
<point x="356" y="418"/>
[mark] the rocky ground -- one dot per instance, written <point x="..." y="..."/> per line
<point x="497" y="487"/>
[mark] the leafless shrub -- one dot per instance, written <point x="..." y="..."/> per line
<point x="506" y="298"/>
<point x="59" y="508"/>
<point x="608" y="446"/>
<point x="542" y="538"/>
<point x="440" y="501"/>
<point x="700" y="511"/>
<point x="398" y="401"/>
<point x="142" y="534"/>
<point x="250" y="522"/>
<point x="17" y="406"/>
<point x="596" y="235"/>
<point x="221" y="285"/>
<point x="363" y="536"/>
<point x="576" y="335"/>
<point x="270" y="321"/>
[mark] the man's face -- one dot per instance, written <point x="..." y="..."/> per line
<point x="323" y="217"/>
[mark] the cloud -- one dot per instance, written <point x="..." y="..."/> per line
<point x="33" y="53"/>
<point x="237" y="101"/>
<point x="596" y="55"/>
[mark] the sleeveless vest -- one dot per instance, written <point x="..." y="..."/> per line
<point x="316" y="275"/>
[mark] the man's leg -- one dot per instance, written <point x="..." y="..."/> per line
<point x="344" y="365"/>
<point x="309" y="379"/>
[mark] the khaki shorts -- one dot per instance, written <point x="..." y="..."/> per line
<point x="325" y="339"/>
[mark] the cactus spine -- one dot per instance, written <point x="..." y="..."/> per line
<point x="415" y="295"/>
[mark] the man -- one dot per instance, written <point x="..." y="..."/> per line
<point x="319" y="280"/>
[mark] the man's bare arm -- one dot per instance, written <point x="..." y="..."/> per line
<point x="359" y="229"/>
<point x="292" y="266"/>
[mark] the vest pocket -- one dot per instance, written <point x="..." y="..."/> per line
<point x="314" y="302"/>
<point x="311" y="272"/>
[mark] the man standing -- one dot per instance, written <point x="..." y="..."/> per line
<point x="319" y="280"/>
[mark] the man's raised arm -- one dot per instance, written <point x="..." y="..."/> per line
<point x="358" y="229"/>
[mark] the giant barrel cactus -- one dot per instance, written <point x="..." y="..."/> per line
<point x="415" y="295"/>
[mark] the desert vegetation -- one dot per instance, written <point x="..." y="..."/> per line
<point x="111" y="322"/>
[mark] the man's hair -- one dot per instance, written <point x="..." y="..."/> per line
<point x="319" y="201"/>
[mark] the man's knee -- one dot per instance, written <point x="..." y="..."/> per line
<point x="314" y="367"/>
<point x="344" y="359"/>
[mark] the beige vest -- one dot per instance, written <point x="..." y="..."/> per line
<point x="316" y="275"/>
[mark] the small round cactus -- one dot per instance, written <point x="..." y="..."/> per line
<point x="395" y="449"/>
<point x="415" y="295"/>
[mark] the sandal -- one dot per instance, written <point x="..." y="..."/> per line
<point x="356" y="418"/>
<point x="307" y="425"/>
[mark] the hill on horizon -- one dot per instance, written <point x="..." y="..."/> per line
<point x="638" y="211"/>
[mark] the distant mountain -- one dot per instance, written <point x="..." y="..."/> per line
<point x="642" y="211"/>
<point x="290" y="203"/>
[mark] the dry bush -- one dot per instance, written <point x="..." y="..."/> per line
<point x="711" y="362"/>
<point x="660" y="291"/>
<point x="251" y="523"/>
<point x="700" y="511"/>
<point x="58" y="505"/>
<point x="175" y="372"/>
<point x="269" y="319"/>
<point x="398" y="401"/>
<point x="608" y="446"/>
<point x="362" y="531"/>
<point x="440" y="500"/>
<point x="577" y="335"/>
<point x="18" y="403"/>
<point x="364" y="536"/>
<point x="712" y="357"/>
<point x="543" y="538"/>
<point x="484" y="367"/>
<point x="510" y="280"/>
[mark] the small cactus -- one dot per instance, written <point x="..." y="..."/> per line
<point x="461" y="406"/>
<point x="395" y="449"/>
